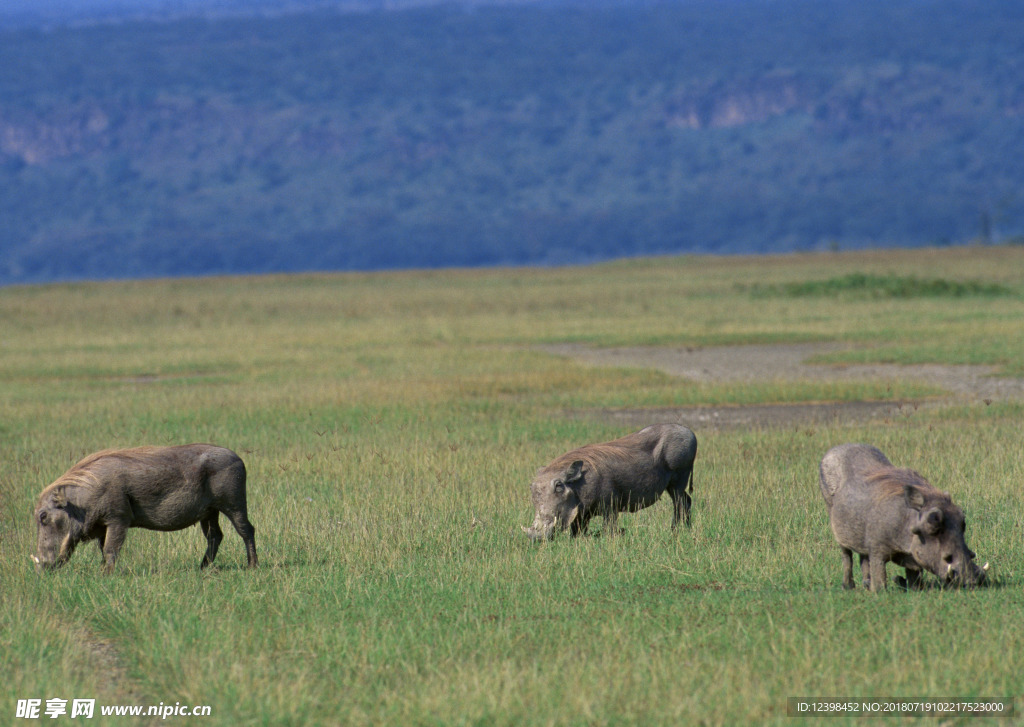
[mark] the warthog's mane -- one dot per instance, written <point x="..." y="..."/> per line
<point x="83" y="473"/>
<point x="893" y="481"/>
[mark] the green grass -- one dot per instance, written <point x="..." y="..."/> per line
<point x="391" y="424"/>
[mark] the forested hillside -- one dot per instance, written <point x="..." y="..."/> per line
<point x="522" y="134"/>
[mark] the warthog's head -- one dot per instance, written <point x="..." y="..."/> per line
<point x="937" y="540"/>
<point x="555" y="500"/>
<point x="58" y="529"/>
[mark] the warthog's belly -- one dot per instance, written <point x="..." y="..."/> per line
<point x="636" y="502"/>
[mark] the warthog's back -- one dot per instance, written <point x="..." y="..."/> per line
<point x="848" y="464"/>
<point x="639" y="455"/>
<point x="153" y="469"/>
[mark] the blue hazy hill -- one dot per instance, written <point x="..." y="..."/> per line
<point x="310" y="136"/>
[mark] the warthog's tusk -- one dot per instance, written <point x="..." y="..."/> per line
<point x="36" y="560"/>
<point x="985" y="567"/>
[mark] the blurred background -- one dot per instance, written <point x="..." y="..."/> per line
<point x="158" y="138"/>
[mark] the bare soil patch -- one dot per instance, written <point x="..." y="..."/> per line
<point x="788" y="362"/>
<point x="775" y="415"/>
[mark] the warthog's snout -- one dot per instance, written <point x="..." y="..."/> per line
<point x="977" y="576"/>
<point x="537" y="536"/>
<point x="966" y="575"/>
<point x="540" y="531"/>
<point x="42" y="565"/>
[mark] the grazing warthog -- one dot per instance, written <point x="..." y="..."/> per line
<point x="886" y="513"/>
<point x="627" y="474"/>
<point x="158" y="488"/>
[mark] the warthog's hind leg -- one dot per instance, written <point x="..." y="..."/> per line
<point x="681" y="503"/>
<point x="100" y="539"/>
<point x="240" y="519"/>
<point x="679" y="490"/>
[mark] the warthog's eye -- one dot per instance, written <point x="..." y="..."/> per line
<point x="42" y="518"/>
<point x="559" y="487"/>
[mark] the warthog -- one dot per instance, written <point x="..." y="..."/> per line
<point x="158" y="488"/>
<point x="885" y="513"/>
<point x="626" y="474"/>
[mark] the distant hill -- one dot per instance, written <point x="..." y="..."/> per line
<point x="51" y="13"/>
<point x="519" y="134"/>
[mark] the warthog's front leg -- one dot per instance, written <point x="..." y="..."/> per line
<point x="611" y="520"/>
<point x="912" y="582"/>
<point x="913" y="579"/>
<point x="211" y="529"/>
<point x="847" y="568"/>
<point x="878" y="576"/>
<point x="865" y="570"/>
<point x="579" y="526"/>
<point x="112" y="545"/>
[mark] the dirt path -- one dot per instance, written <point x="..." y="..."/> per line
<point x="787" y="363"/>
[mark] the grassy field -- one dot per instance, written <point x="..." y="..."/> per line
<point x="391" y="424"/>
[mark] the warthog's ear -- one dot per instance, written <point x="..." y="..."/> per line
<point x="930" y="523"/>
<point x="934" y="520"/>
<point x="574" y="473"/>
<point x="913" y="496"/>
<point x="60" y="498"/>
